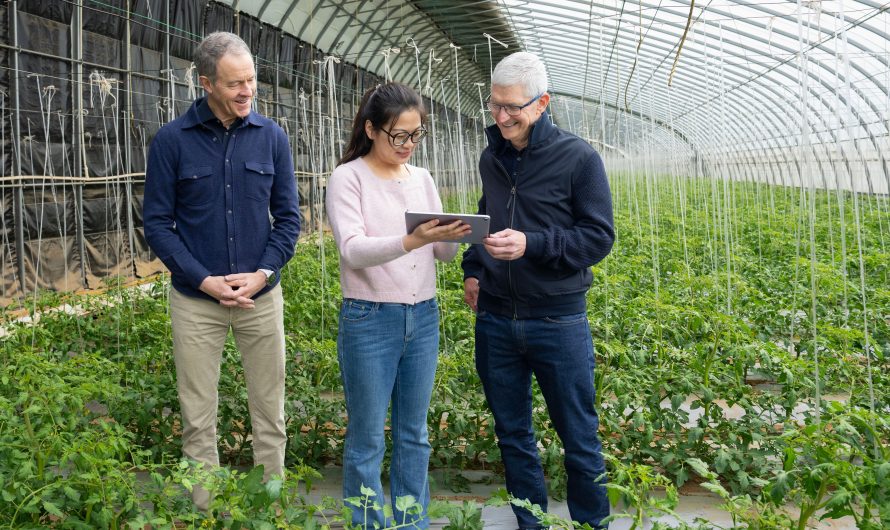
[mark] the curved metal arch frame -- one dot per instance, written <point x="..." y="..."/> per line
<point x="660" y="43"/>
<point x="823" y="65"/>
<point x="755" y="51"/>
<point x="821" y="80"/>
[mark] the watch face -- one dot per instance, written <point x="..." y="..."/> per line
<point x="271" y="278"/>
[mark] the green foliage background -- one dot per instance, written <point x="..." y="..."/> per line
<point x="705" y="300"/>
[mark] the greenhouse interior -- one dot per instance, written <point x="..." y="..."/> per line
<point x="740" y="322"/>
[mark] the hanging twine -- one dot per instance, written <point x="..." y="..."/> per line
<point x="190" y="81"/>
<point x="490" y="57"/>
<point x="410" y="42"/>
<point x="386" y="53"/>
<point x="103" y="86"/>
<point x="429" y="70"/>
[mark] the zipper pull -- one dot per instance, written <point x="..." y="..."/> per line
<point x="512" y="197"/>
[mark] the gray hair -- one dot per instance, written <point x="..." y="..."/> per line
<point x="213" y="47"/>
<point x="523" y="69"/>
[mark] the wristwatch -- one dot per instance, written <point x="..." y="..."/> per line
<point x="270" y="276"/>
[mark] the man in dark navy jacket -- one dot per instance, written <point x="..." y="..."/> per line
<point x="551" y="220"/>
<point x="215" y="177"/>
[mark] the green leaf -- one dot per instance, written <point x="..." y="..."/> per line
<point x="368" y="492"/>
<point x="780" y="486"/>
<point x="838" y="505"/>
<point x="882" y="472"/>
<point x="713" y="487"/>
<point x="404" y="503"/>
<point x="722" y="461"/>
<point x="676" y="401"/>
<point x="72" y="493"/>
<point x="253" y="481"/>
<point x="700" y="468"/>
<point x="52" y="508"/>
<point x="790" y="457"/>
<point x="682" y="476"/>
<point x="273" y="488"/>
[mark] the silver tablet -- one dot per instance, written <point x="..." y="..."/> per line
<point x="478" y="223"/>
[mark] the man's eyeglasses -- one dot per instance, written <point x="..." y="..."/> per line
<point x="401" y="138"/>
<point x="512" y="110"/>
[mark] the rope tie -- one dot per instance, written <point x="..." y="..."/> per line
<point x="103" y="86"/>
<point x="410" y="42"/>
<point x="189" y="79"/>
<point x="429" y="70"/>
<point x="482" y="109"/>
<point x="386" y="53"/>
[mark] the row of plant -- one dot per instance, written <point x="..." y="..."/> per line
<point x="706" y="291"/>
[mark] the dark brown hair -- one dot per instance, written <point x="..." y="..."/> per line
<point x="382" y="106"/>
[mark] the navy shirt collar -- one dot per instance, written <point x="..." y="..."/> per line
<point x="539" y="130"/>
<point x="200" y="112"/>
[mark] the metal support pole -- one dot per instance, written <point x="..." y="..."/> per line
<point x="126" y="119"/>
<point x="168" y="66"/>
<point x="18" y="194"/>
<point x="80" y="162"/>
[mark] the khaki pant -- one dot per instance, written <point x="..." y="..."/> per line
<point x="200" y="328"/>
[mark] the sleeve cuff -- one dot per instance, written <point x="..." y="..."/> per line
<point x="534" y="244"/>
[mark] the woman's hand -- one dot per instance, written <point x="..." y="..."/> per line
<point x="431" y="231"/>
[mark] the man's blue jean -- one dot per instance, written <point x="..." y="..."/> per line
<point x="387" y="352"/>
<point x="559" y="352"/>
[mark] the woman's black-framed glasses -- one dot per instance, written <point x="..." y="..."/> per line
<point x="512" y="110"/>
<point x="401" y="138"/>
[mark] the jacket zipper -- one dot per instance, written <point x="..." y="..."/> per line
<point x="511" y="205"/>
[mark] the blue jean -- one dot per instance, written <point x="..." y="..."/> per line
<point x="387" y="352"/>
<point x="559" y="352"/>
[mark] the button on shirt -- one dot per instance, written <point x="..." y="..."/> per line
<point x="210" y="193"/>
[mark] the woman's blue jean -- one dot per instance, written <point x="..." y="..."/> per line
<point x="559" y="352"/>
<point x="388" y="353"/>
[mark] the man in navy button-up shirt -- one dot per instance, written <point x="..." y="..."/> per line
<point x="221" y="211"/>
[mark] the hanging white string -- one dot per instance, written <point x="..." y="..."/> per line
<point x="489" y="38"/>
<point x="103" y="86"/>
<point x="461" y="165"/>
<point x="328" y="70"/>
<point x="428" y="88"/>
<point x="803" y="70"/>
<point x="387" y="75"/>
<point x="482" y="108"/>
<point x="190" y="81"/>
<point x="171" y="78"/>
<point x="410" y="42"/>
<point x="849" y="128"/>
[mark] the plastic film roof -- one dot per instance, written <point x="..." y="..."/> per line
<point x="704" y="78"/>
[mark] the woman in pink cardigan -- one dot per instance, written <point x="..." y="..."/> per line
<point x="388" y="338"/>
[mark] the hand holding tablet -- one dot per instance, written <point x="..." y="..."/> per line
<point x="478" y="223"/>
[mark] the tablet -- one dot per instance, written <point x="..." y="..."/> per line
<point x="478" y="223"/>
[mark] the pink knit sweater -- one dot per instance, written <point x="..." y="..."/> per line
<point x="367" y="215"/>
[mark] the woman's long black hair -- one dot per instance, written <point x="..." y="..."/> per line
<point x="382" y="106"/>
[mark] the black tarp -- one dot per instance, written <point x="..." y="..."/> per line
<point x="286" y="60"/>
<point x="188" y="27"/>
<point x="58" y="11"/>
<point x="266" y="53"/>
<point x="105" y="17"/>
<point x="218" y="17"/>
<point x="147" y="16"/>
<point x="44" y="96"/>
<point x="77" y="232"/>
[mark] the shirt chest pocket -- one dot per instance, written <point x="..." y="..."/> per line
<point x="194" y="186"/>
<point x="258" y="177"/>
